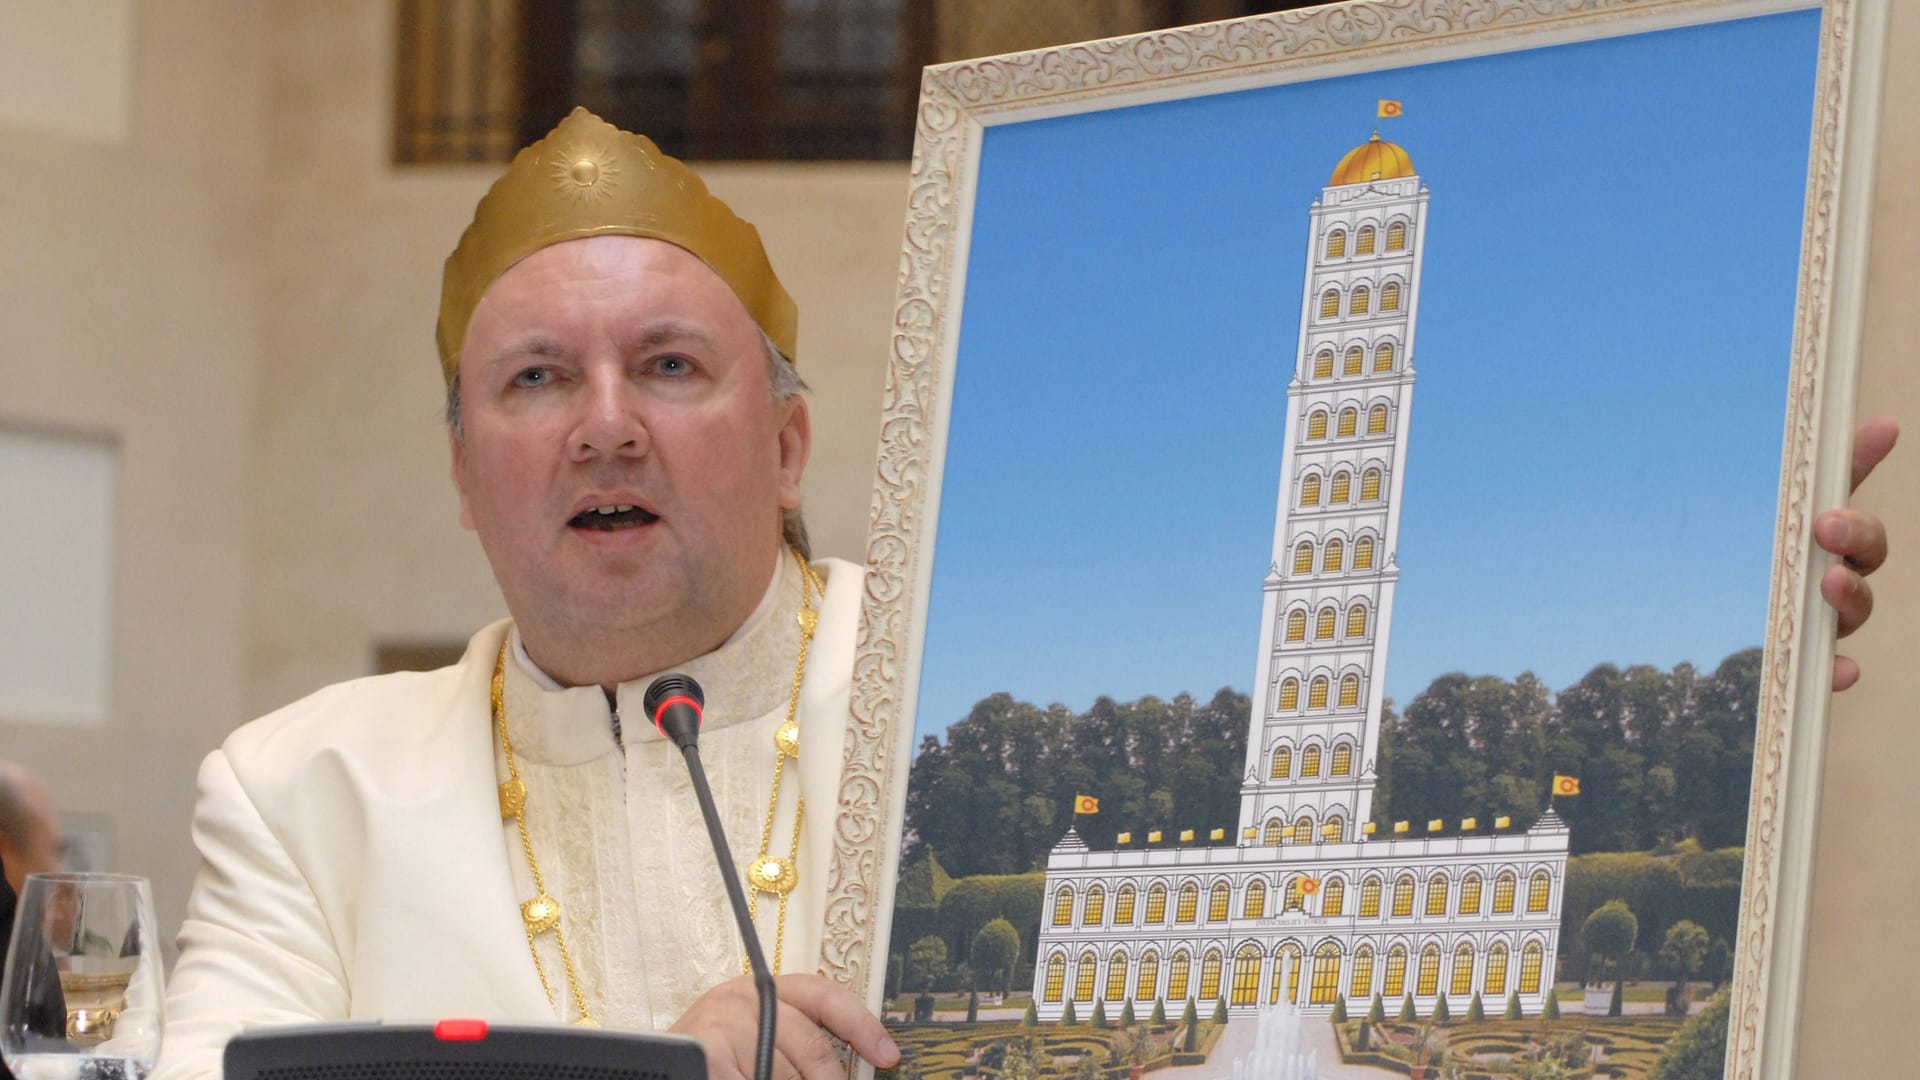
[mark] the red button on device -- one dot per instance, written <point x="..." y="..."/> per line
<point x="460" y="1030"/>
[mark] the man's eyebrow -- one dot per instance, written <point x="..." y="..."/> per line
<point x="669" y="331"/>
<point x="539" y="345"/>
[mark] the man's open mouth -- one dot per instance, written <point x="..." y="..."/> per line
<point x="609" y="518"/>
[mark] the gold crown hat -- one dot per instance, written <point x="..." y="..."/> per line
<point x="589" y="178"/>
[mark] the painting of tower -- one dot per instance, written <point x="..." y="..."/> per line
<point x="1305" y="903"/>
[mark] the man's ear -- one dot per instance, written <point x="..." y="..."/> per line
<point x="459" y="453"/>
<point x="796" y="445"/>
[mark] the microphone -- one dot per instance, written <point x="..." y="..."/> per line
<point x="675" y="701"/>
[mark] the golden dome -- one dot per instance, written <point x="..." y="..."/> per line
<point x="1374" y="159"/>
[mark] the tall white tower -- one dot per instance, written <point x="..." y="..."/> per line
<point x="1313" y="746"/>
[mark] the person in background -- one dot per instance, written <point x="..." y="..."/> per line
<point x="30" y="843"/>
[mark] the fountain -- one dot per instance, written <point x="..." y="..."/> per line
<point x="1278" y="1052"/>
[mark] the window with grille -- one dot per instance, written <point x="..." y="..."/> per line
<point x="1363" y="553"/>
<point x="1362" y="296"/>
<point x="1310" y="761"/>
<point x="1286" y="959"/>
<point x="1530" y="959"/>
<point x="1396" y="980"/>
<point x="1123" y="907"/>
<point x="1282" y="762"/>
<point x="1496" y="980"/>
<point x="1376" y="425"/>
<point x="1349" y="423"/>
<point x="1330" y="304"/>
<point x="1085" y="973"/>
<point x="1403" y="896"/>
<point x="1370" y="898"/>
<point x="1437" y="895"/>
<point x="1503" y="887"/>
<point x="1539" y="891"/>
<point x="1357" y="621"/>
<point x="1276" y="832"/>
<point x="1147" y="983"/>
<point x="1189" y="903"/>
<point x="1335" y="557"/>
<point x="1462" y="970"/>
<point x="1343" y="481"/>
<point x="1334" y="895"/>
<point x="1310" y="491"/>
<point x="1343" y="760"/>
<point x="1470" y="895"/>
<point x="1303" y="830"/>
<point x="1255" y="905"/>
<point x="1383" y="357"/>
<point x="1096" y="906"/>
<point x="1326" y="975"/>
<point x="1317" y="426"/>
<point x="1246" y="976"/>
<point x="1290" y="694"/>
<point x="1116" y="976"/>
<point x="1397" y="236"/>
<point x="1323" y="364"/>
<point x="1362" y="984"/>
<point x="1302" y="564"/>
<point x="1352" y="364"/>
<point x="1336" y="243"/>
<point x="1349" y="691"/>
<point x="1317" y="692"/>
<point x="1210" y="976"/>
<point x="1056" y="977"/>
<point x="1157" y="905"/>
<point x="1323" y="626"/>
<point x="1177" y="976"/>
<point x="1390" y="296"/>
<point x="1429" y="971"/>
<point x="1063" y="906"/>
<point x="1363" y="244"/>
<point x="1217" y="902"/>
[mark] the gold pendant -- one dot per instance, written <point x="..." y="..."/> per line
<point x="772" y="875"/>
<point x="787" y="739"/>
<point x="808" y="621"/>
<point x="513" y="799"/>
<point x="542" y="913"/>
<point x="586" y="1021"/>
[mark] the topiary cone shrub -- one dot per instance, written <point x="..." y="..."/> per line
<point x="1476" y="1010"/>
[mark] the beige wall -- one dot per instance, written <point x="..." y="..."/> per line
<point x="241" y="291"/>
<point x="129" y="307"/>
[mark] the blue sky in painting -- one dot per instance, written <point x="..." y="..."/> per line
<point x="1602" y="348"/>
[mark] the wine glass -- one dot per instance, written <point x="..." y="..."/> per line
<point x="81" y="996"/>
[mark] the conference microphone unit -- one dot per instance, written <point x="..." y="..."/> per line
<point x="675" y="702"/>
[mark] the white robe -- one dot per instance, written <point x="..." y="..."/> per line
<point x="355" y="864"/>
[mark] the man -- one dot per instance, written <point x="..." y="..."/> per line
<point x="509" y="837"/>
<point x="30" y="837"/>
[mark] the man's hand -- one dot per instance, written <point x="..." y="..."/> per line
<point x="1860" y="541"/>
<point x="726" y="1021"/>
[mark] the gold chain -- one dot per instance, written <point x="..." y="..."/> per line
<point x="766" y="874"/>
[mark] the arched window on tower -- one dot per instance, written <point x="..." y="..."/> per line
<point x="1397" y="236"/>
<point x="1303" y="557"/>
<point x="1349" y="422"/>
<point x="1330" y="304"/>
<point x="1333" y="895"/>
<point x="1056" y="977"/>
<point x="1083" y="976"/>
<point x="1156" y="904"/>
<point x="1370" y="897"/>
<point x="1297" y="619"/>
<point x="1317" y="425"/>
<point x="1356" y="357"/>
<point x="1289" y="694"/>
<point x="1334" y="559"/>
<point x="1530" y="960"/>
<point x="1377" y="423"/>
<point x="1357" y="621"/>
<point x="1303" y="829"/>
<point x="1218" y="900"/>
<point x="1390" y="296"/>
<point x="1370" y="480"/>
<point x="1317" y="692"/>
<point x="1177" y="976"/>
<point x="1429" y="981"/>
<point x="1095" y="908"/>
<point x="1123" y="906"/>
<point x="1342" y="480"/>
<point x="1349" y="691"/>
<point x="1363" y="553"/>
<point x="1310" y="762"/>
<point x="1403" y="895"/>
<point x="1462" y="982"/>
<point x="1470" y="894"/>
<point x="1362" y="299"/>
<point x="1343" y="760"/>
<point x="1063" y="906"/>
<point x="1117" y="976"/>
<point x="1255" y="905"/>
<point x="1210" y="976"/>
<point x="1147" y="983"/>
<point x="1310" y="491"/>
<point x="1295" y="896"/>
<point x="1189" y="906"/>
<point x="1396" y="980"/>
<point x="1336" y="243"/>
<point x="1539" y="891"/>
<point x="1496" y="981"/>
<point x="1503" y="887"/>
<point x="1323" y="364"/>
<point x="1437" y="894"/>
<point x="1276" y="831"/>
<point x="1362" y="983"/>
<point x="1364" y="242"/>
<point x="1323" y="626"/>
<point x="1383" y="356"/>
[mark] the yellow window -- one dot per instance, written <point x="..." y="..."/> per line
<point x="1157" y="905"/>
<point x="1330" y="304"/>
<point x="1496" y="980"/>
<point x="1123" y="907"/>
<point x="1303" y="830"/>
<point x="1282" y="763"/>
<point x="1246" y="976"/>
<point x="1326" y="975"/>
<point x="1355" y="358"/>
<point x="1310" y="761"/>
<point x="1370" y="480"/>
<point x="1255" y="905"/>
<point x="1297" y="619"/>
<point x="1362" y="972"/>
<point x="1539" y="891"/>
<point x="1323" y="626"/>
<point x="1503" y="893"/>
<point x="1177" y="976"/>
<point x="1397" y="236"/>
<point x="1370" y="898"/>
<point x="1310" y="491"/>
<point x="1336" y="556"/>
<point x="1343" y="760"/>
<point x="1429" y="971"/>
<point x="1349" y="691"/>
<point x="1437" y="894"/>
<point x="1342" y="481"/>
<point x="1383" y="356"/>
<point x="1317" y="426"/>
<point x="1095" y="908"/>
<point x="1403" y="896"/>
<point x="1063" y="906"/>
<point x="1462" y="970"/>
<point x="1336" y="243"/>
<point x="1396" y="980"/>
<point x="1349" y="425"/>
<point x="1363" y="244"/>
<point x="1470" y="895"/>
<point x="1317" y="692"/>
<point x="1390" y="296"/>
<point x="1530" y="968"/>
<point x="1290" y="692"/>
<point x="1147" y="984"/>
<point x="1217" y="902"/>
<point x="1117" y="976"/>
<point x="1363" y="554"/>
<point x="1294" y="895"/>
<point x="1357" y="621"/>
<point x="1210" y="976"/>
<point x="1084" y="974"/>
<point x="1323" y="364"/>
<point x="1362" y="298"/>
<point x="1303" y="558"/>
<point x="1056" y="977"/>
<point x="1377" y="425"/>
<point x="1334" y="893"/>
<point x="1189" y="903"/>
<point x="1276" y="832"/>
<point x="1286" y="958"/>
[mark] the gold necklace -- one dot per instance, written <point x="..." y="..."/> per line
<point x="766" y="874"/>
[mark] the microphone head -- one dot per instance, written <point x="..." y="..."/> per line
<point x="668" y="691"/>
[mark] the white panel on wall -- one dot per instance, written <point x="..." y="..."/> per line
<point x="66" y="66"/>
<point x="57" y="544"/>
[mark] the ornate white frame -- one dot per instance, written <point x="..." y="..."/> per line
<point x="959" y="100"/>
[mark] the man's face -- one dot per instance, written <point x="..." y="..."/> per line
<point x="43" y="849"/>
<point x="621" y="374"/>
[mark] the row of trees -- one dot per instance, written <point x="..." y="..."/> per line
<point x="1662" y="756"/>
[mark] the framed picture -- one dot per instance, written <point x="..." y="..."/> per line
<point x="1242" y="683"/>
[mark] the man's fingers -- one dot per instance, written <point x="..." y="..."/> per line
<point x="1850" y="596"/>
<point x="828" y="1005"/>
<point x="1846" y="672"/>
<point x="1858" y="538"/>
<point x="1871" y="442"/>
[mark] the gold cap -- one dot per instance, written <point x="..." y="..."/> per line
<point x="589" y="178"/>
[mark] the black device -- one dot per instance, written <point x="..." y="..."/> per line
<point x="459" y="1050"/>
